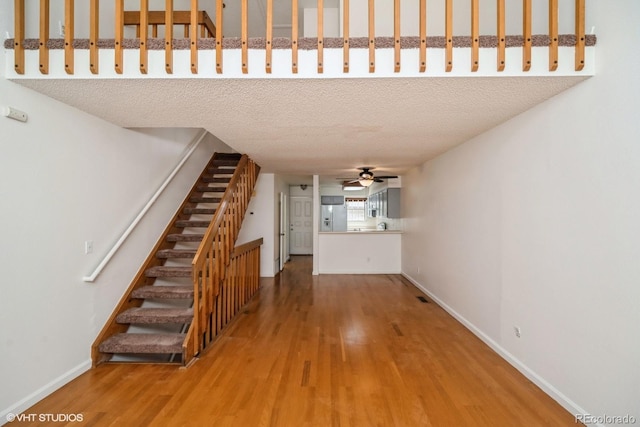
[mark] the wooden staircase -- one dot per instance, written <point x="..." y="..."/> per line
<point x="151" y="321"/>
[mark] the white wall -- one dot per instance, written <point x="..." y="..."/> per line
<point x="261" y="220"/>
<point x="65" y="178"/>
<point x="536" y="224"/>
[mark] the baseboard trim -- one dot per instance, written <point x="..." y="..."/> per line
<point x="27" y="402"/>
<point x="547" y="387"/>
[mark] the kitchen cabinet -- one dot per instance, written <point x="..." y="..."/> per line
<point x="393" y="203"/>
<point x="372" y="206"/>
<point x="385" y="204"/>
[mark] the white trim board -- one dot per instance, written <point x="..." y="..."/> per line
<point x="44" y="391"/>
<point x="548" y="388"/>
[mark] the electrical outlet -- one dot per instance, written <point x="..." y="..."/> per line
<point x="88" y="247"/>
<point x="517" y="331"/>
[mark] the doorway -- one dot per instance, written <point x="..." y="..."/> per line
<point x="283" y="232"/>
<point x="301" y="226"/>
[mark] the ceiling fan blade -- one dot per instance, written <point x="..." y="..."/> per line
<point x="386" y="177"/>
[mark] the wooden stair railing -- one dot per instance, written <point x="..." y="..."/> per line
<point x="228" y="176"/>
<point x="216" y="297"/>
<point x="198" y="25"/>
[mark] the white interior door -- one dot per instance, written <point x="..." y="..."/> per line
<point x="301" y="226"/>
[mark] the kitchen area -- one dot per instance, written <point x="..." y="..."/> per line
<point x="360" y="229"/>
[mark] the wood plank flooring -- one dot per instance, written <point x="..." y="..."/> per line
<point x="328" y="350"/>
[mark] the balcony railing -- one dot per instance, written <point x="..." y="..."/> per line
<point x="402" y="27"/>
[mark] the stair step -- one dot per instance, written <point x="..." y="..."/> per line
<point x="185" y="237"/>
<point x="236" y="156"/>
<point x="148" y="316"/>
<point x="204" y="189"/>
<point x="191" y="211"/>
<point x="205" y="199"/>
<point x="216" y="170"/>
<point x="161" y="271"/>
<point x="216" y="180"/>
<point x="198" y="224"/>
<point x="225" y="162"/>
<point x="143" y="343"/>
<point x="176" y="253"/>
<point x="163" y="292"/>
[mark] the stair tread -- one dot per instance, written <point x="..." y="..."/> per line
<point x="205" y="189"/>
<point x="162" y="271"/>
<point x="215" y="180"/>
<point x="205" y="199"/>
<point x="140" y="315"/>
<point x="191" y="211"/>
<point x="224" y="162"/>
<point x="163" y="292"/>
<point x="176" y="253"/>
<point x="236" y="156"/>
<point x="192" y="223"/>
<point x="143" y="343"/>
<point x="185" y="237"/>
<point x="221" y="170"/>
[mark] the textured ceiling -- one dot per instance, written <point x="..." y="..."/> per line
<point x="316" y="126"/>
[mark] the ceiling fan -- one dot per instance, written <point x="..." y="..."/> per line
<point x="366" y="178"/>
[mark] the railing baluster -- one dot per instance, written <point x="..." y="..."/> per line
<point x="269" y="36"/>
<point x="372" y="37"/>
<point x="245" y="35"/>
<point x="449" y="35"/>
<point x="18" y="45"/>
<point x="69" y="21"/>
<point x="119" y="36"/>
<point x="475" y="35"/>
<point x="526" y="35"/>
<point x="294" y="36"/>
<point x="320" y="34"/>
<point x="423" y="36"/>
<point x="501" y="36"/>
<point x="218" y="35"/>
<point x="168" y="37"/>
<point x="580" y="35"/>
<point x="193" y="34"/>
<point x="553" y="35"/>
<point x="396" y="36"/>
<point x="144" y="30"/>
<point x="44" y="36"/>
<point x="94" y="36"/>
<point x="345" y="37"/>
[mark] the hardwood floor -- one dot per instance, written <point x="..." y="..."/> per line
<point x="327" y="350"/>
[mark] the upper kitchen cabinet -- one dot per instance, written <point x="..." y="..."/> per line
<point x="393" y="203"/>
<point x="385" y="203"/>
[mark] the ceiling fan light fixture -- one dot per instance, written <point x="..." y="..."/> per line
<point x="366" y="182"/>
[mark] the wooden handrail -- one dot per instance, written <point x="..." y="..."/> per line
<point x="246" y="247"/>
<point x="197" y="24"/>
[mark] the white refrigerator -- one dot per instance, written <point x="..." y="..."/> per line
<point x="333" y="218"/>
